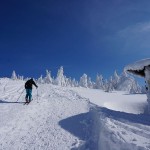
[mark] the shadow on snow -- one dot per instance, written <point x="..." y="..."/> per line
<point x="7" y="102"/>
<point x="81" y="127"/>
<point x="123" y="116"/>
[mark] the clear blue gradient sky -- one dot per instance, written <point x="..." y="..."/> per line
<point x="84" y="36"/>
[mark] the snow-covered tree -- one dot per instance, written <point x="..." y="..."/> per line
<point x="48" y="78"/>
<point x="60" y="79"/>
<point x="111" y="86"/>
<point x="128" y="83"/>
<point x="83" y="81"/>
<point x="90" y="84"/>
<point x="124" y="83"/>
<point x="99" y="84"/>
<point x="14" y="76"/>
<point x="68" y="82"/>
<point x="135" y="88"/>
<point x="74" y="83"/>
<point x="20" y="77"/>
<point x="40" y="80"/>
<point x="115" y="80"/>
<point x="107" y="86"/>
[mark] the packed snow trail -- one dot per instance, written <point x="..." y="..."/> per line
<point x="57" y="119"/>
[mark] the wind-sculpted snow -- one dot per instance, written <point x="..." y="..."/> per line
<point x="69" y="119"/>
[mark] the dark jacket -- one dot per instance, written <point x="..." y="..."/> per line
<point x="29" y="83"/>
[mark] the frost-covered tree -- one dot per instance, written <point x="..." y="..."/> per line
<point x="107" y="86"/>
<point x="124" y="83"/>
<point x="48" y="78"/>
<point x="60" y="79"/>
<point x="135" y="88"/>
<point x="128" y="83"/>
<point x="20" y="77"/>
<point x="74" y="83"/>
<point x="115" y="80"/>
<point x="90" y="84"/>
<point x="111" y="86"/>
<point x="99" y="84"/>
<point x="14" y="76"/>
<point x="67" y="81"/>
<point x="83" y="81"/>
<point x="40" y="80"/>
<point x="124" y="76"/>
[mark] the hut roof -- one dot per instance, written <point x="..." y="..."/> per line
<point x="138" y="67"/>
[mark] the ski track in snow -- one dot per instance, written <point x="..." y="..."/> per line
<point x="129" y="133"/>
<point x="62" y="119"/>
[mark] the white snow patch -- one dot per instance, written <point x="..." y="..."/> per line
<point x="117" y="100"/>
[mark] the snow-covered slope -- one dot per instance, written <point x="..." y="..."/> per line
<point x="51" y="121"/>
<point x="119" y="119"/>
<point x="71" y="119"/>
<point x="116" y="100"/>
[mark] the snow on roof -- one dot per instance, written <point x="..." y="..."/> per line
<point x="137" y="68"/>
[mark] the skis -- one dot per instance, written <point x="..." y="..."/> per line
<point x="27" y="103"/>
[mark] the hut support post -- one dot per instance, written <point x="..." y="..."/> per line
<point x="147" y="78"/>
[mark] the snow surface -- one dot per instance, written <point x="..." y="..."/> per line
<point x="116" y="100"/>
<point x="139" y="65"/>
<point x="71" y="119"/>
<point x="120" y="122"/>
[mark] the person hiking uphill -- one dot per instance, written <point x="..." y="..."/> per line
<point x="28" y="87"/>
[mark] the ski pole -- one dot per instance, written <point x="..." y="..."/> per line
<point x="4" y="88"/>
<point x="20" y="95"/>
<point x="37" y="96"/>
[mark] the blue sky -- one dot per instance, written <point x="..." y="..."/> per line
<point x="84" y="36"/>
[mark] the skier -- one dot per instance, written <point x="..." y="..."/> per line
<point x="28" y="87"/>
